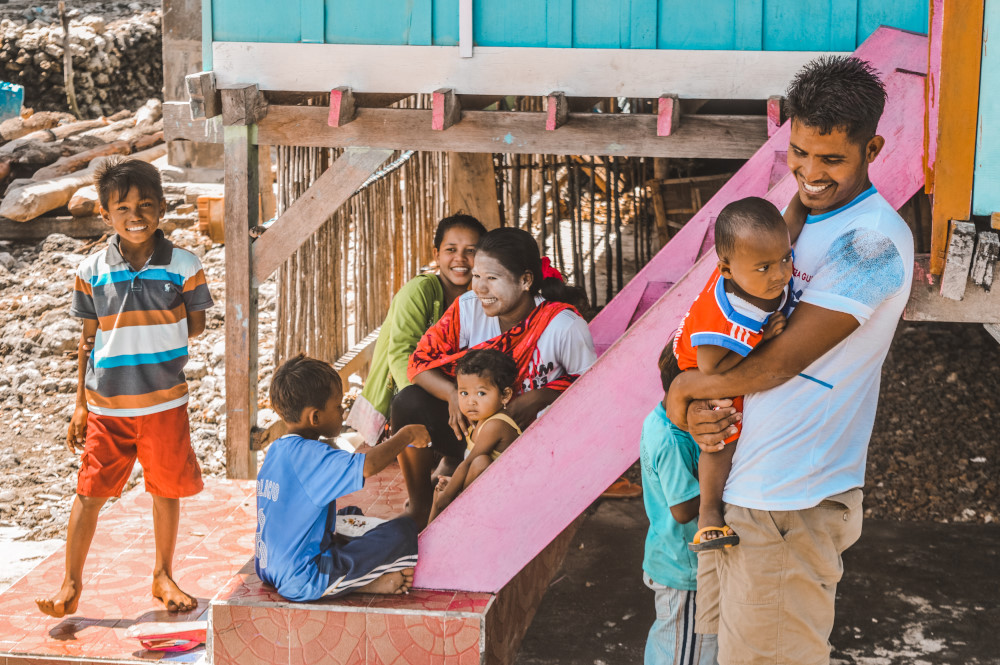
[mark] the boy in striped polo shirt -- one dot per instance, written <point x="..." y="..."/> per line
<point x="141" y="298"/>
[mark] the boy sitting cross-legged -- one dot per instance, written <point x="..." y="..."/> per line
<point x="298" y="550"/>
<point x="140" y="299"/>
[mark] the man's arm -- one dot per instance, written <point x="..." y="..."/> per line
<point x="811" y="332"/>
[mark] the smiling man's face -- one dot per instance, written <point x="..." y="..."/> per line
<point x="830" y="169"/>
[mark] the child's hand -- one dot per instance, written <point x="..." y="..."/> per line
<point x="77" y="434"/>
<point x="774" y="326"/>
<point x="442" y="483"/>
<point x="418" y="435"/>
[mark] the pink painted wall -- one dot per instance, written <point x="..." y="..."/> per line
<point x="591" y="435"/>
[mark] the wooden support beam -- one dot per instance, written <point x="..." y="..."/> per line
<point x="668" y="115"/>
<point x="926" y="303"/>
<point x="985" y="259"/>
<point x="309" y="211"/>
<point x="205" y="98"/>
<point x="445" y="109"/>
<point x="961" y="44"/>
<point x="472" y="187"/>
<point x="243" y="105"/>
<point x="956" y="269"/>
<point x="241" y="203"/>
<point x="556" y="111"/>
<point x="342" y="108"/>
<point x="775" y="114"/>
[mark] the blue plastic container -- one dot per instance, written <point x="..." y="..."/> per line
<point x="11" y="98"/>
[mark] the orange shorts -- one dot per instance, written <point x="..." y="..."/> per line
<point x="161" y="441"/>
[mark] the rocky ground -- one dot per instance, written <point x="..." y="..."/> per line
<point x="934" y="454"/>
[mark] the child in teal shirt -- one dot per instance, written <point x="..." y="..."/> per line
<point x="669" y="459"/>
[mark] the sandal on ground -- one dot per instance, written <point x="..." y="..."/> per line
<point x="622" y="489"/>
<point x="727" y="539"/>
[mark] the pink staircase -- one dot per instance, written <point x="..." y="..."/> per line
<point x="591" y="435"/>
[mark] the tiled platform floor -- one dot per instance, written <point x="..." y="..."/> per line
<point x="252" y="625"/>
<point x="249" y="623"/>
<point x="215" y="540"/>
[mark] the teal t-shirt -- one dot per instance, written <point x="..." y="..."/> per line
<point x="669" y="477"/>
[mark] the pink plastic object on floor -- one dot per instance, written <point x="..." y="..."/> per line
<point x="169" y="635"/>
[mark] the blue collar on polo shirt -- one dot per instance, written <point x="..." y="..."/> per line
<point x="812" y="219"/>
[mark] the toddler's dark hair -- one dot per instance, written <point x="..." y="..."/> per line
<point x="495" y="365"/>
<point x="837" y="92"/>
<point x="742" y="219"/>
<point x="457" y="221"/>
<point x="119" y="174"/>
<point x="669" y="369"/>
<point x="556" y="290"/>
<point x="302" y="382"/>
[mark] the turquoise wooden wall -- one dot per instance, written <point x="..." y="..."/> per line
<point x="986" y="185"/>
<point x="772" y="25"/>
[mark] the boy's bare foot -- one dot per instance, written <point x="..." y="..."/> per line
<point x="167" y="592"/>
<point x="390" y="583"/>
<point x="63" y="603"/>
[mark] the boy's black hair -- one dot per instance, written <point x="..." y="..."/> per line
<point x="302" y="382"/>
<point x="834" y="92"/>
<point x="460" y="221"/>
<point x="669" y="369"/>
<point x="517" y="251"/>
<point x="495" y="365"/>
<point x="742" y="219"/>
<point x="117" y="175"/>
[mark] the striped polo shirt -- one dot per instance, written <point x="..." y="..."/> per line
<point x="137" y="365"/>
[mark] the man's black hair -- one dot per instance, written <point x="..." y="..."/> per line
<point x="837" y="92"/>
<point x="457" y="221"/>
<point x="495" y="365"/>
<point x="743" y="219"/>
<point x="301" y="382"/>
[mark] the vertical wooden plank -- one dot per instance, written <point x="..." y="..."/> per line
<point x="643" y="24"/>
<point x="206" y="35"/>
<point x="268" y="202"/>
<point x="844" y="25"/>
<point x="750" y="25"/>
<point x="985" y="259"/>
<point x="559" y="23"/>
<point x="961" y="51"/>
<point x="421" y="18"/>
<point x="986" y="189"/>
<point x="312" y="18"/>
<point x="956" y="270"/>
<point x="241" y="166"/>
<point x="471" y="187"/>
<point x="932" y="92"/>
<point x="465" y="21"/>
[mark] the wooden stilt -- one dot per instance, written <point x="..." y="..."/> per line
<point x="241" y="187"/>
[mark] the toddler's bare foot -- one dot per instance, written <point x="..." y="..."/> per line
<point x="442" y="483"/>
<point x="63" y="603"/>
<point x="167" y="592"/>
<point x="390" y="583"/>
<point x="707" y="518"/>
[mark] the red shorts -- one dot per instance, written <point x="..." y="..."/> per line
<point x="161" y="441"/>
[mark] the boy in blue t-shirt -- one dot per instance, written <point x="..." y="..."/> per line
<point x="669" y="459"/>
<point x="297" y="548"/>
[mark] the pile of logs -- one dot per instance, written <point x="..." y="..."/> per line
<point x="118" y="65"/>
<point x="47" y="159"/>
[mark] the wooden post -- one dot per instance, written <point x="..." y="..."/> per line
<point x="472" y="188"/>
<point x="775" y="114"/>
<point x="957" y="76"/>
<point x="241" y="204"/>
<point x="557" y="111"/>
<point x="668" y="115"/>
<point x="660" y="170"/>
<point x="956" y="268"/>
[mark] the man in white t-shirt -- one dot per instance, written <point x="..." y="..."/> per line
<point x="794" y="493"/>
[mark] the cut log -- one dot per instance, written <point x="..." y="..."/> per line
<point x="85" y="202"/>
<point x="72" y="163"/>
<point x="14" y="128"/>
<point x="36" y="199"/>
<point x="48" y="135"/>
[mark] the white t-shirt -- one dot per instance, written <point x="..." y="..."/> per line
<point x="807" y="439"/>
<point x="564" y="347"/>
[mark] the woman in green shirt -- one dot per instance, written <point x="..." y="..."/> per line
<point x="415" y="308"/>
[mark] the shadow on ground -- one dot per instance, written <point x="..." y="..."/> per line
<point x="912" y="594"/>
